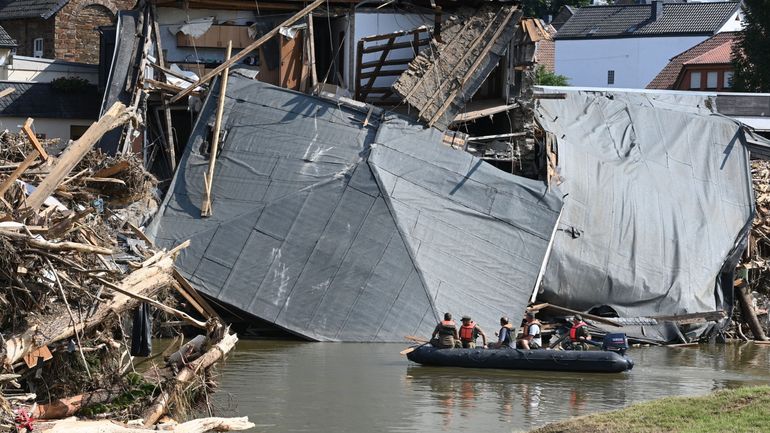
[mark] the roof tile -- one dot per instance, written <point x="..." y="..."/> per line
<point x="636" y="20"/>
<point x="666" y="78"/>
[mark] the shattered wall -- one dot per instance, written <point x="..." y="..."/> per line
<point x="339" y="229"/>
<point x="658" y="195"/>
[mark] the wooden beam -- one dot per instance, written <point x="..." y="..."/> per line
<point x="116" y="116"/>
<point x="245" y="52"/>
<point x="209" y="177"/>
<point x="168" y="71"/>
<point x="27" y="129"/>
<point x="588" y="316"/>
<point x="7" y="91"/>
<point x="398" y="33"/>
<point x="311" y="50"/>
<point x="11" y="179"/>
<point x="480" y="58"/>
<point x="373" y="75"/>
<point x="549" y="96"/>
<point x="170" y="145"/>
<point x="394" y="46"/>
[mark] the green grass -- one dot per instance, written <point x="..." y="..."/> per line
<point x="741" y="410"/>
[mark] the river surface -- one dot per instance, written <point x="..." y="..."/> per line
<point x="338" y="387"/>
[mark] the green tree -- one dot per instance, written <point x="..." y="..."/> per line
<point x="543" y="8"/>
<point x="544" y="77"/>
<point x="751" y="53"/>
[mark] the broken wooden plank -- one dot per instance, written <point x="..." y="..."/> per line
<point x="27" y="129"/>
<point x="588" y="316"/>
<point x="112" y="170"/>
<point x="209" y="177"/>
<point x="497" y="137"/>
<point x="116" y="116"/>
<point x="484" y="112"/>
<point x="246" y="51"/>
<point x="7" y="91"/>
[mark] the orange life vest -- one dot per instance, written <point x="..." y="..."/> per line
<point x="446" y="327"/>
<point x="466" y="332"/>
<point x="574" y="329"/>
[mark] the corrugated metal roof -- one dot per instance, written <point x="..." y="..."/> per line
<point x="638" y="20"/>
<point x="41" y="100"/>
<point x="15" y="9"/>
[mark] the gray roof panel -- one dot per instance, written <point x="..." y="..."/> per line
<point x="636" y="20"/>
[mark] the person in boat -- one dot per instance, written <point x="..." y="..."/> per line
<point x="578" y="334"/>
<point x="505" y="337"/>
<point x="469" y="332"/>
<point x="446" y="330"/>
<point x="531" y="338"/>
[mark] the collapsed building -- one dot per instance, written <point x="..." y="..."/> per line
<point x="422" y="172"/>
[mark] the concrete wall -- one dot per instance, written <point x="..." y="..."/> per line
<point x="45" y="70"/>
<point x="52" y="128"/>
<point x="636" y="61"/>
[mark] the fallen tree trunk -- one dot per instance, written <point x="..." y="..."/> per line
<point x="217" y="352"/>
<point x="56" y="246"/>
<point x="116" y="116"/>
<point x="72" y="425"/>
<point x="747" y="310"/>
<point x="145" y="281"/>
<point x="66" y="407"/>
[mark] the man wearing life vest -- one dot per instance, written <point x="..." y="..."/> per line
<point x="469" y="332"/>
<point x="531" y="338"/>
<point x="446" y="330"/>
<point x="505" y="337"/>
<point x="578" y="334"/>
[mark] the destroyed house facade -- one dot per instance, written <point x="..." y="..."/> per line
<point x="315" y="212"/>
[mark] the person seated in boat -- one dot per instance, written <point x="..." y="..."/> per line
<point x="469" y="333"/>
<point x="505" y="337"/>
<point x="578" y="334"/>
<point x="531" y="338"/>
<point x="446" y="330"/>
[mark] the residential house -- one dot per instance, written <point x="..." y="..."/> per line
<point x="7" y="45"/>
<point x="59" y="29"/>
<point x="626" y="46"/>
<point x="25" y="68"/>
<point x="706" y="66"/>
<point x="60" y="110"/>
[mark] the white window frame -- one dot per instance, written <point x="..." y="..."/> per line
<point x="37" y="47"/>
<point x="712" y="79"/>
<point x="695" y="78"/>
<point x="727" y="77"/>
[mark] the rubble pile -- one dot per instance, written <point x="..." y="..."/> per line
<point x="80" y="289"/>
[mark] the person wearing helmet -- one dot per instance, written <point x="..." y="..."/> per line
<point x="578" y="334"/>
<point x="469" y="332"/>
<point x="446" y="330"/>
<point x="531" y="338"/>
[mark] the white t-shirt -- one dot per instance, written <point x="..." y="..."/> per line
<point x="534" y="330"/>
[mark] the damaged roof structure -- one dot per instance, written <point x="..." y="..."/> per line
<point x="342" y="221"/>
<point x="441" y="80"/>
<point x="336" y="227"/>
<point x="658" y="202"/>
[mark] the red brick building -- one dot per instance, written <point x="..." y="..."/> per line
<point x="59" y="29"/>
<point x="706" y="66"/>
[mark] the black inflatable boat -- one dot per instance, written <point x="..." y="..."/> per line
<point x="610" y="360"/>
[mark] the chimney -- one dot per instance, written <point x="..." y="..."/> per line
<point x="656" y="10"/>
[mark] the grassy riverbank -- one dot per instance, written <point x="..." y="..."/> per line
<point x="741" y="410"/>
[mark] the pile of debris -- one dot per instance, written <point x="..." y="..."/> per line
<point x="74" y="271"/>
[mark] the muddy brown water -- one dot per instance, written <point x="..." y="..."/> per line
<point x="337" y="387"/>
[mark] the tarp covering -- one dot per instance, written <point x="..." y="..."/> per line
<point x="658" y="198"/>
<point x="338" y="231"/>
